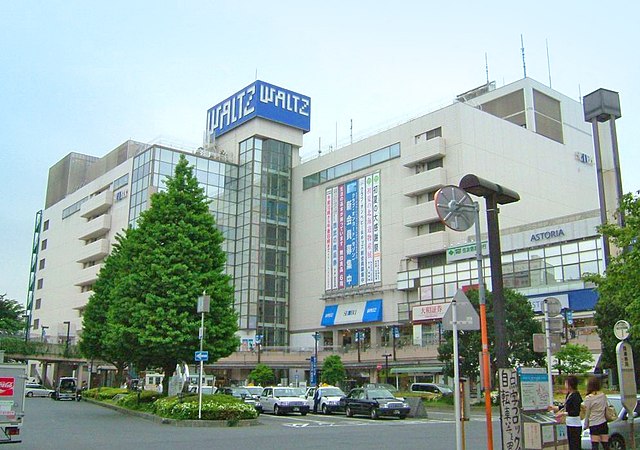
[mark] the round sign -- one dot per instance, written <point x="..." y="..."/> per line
<point x="455" y="208"/>
<point x="621" y="329"/>
<point x="554" y="307"/>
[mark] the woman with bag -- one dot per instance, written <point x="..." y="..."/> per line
<point x="595" y="419"/>
<point x="569" y="414"/>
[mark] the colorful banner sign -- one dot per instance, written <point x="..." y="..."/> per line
<point x="352" y="233"/>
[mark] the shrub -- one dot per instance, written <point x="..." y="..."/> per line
<point x="214" y="407"/>
<point x="105" y="393"/>
<point x="133" y="399"/>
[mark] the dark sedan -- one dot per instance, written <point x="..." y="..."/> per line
<point x="374" y="402"/>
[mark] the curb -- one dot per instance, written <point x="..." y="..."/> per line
<point x="174" y="422"/>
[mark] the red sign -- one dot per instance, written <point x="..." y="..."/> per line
<point x="6" y="386"/>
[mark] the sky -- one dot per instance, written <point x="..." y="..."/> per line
<point x="79" y="76"/>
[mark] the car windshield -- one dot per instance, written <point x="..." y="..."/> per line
<point x="299" y="391"/>
<point x="332" y="392"/>
<point x="285" y="392"/>
<point x="379" y="393"/>
<point x="444" y="389"/>
<point x="241" y="392"/>
<point x="255" y="390"/>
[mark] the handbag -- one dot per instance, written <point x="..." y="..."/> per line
<point x="610" y="413"/>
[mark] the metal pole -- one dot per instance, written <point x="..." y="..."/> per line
<point x="547" y="332"/>
<point x="486" y="372"/>
<point x="606" y="250"/>
<point x="66" y="347"/>
<point x="456" y="375"/>
<point x="386" y="367"/>
<point x="201" y="367"/>
<point x="616" y="167"/>
<point x="393" y="331"/>
<point x="316" y="336"/>
<point x="358" y="343"/>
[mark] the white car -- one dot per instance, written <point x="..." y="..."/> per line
<point x="328" y="399"/>
<point x="37" y="390"/>
<point x="282" y="400"/>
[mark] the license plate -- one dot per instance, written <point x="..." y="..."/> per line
<point x="296" y="409"/>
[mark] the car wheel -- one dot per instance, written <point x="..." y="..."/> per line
<point x="617" y="443"/>
<point x="374" y="413"/>
<point x="276" y="410"/>
<point x="303" y="413"/>
<point x="29" y="394"/>
<point x="348" y="412"/>
<point x="325" y="410"/>
<point x="402" y="417"/>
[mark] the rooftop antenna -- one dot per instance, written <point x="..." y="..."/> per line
<point x="486" y="66"/>
<point x="319" y="146"/>
<point x="548" y="61"/>
<point x="351" y="131"/>
<point x="524" y="66"/>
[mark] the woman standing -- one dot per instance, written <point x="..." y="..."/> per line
<point x="571" y="411"/>
<point x="596" y="403"/>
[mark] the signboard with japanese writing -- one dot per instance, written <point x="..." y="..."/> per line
<point x="352" y="233"/>
<point x="465" y="251"/>
<point x="510" y="409"/>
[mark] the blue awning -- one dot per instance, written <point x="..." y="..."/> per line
<point x="348" y="313"/>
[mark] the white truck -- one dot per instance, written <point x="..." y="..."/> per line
<point x="13" y="378"/>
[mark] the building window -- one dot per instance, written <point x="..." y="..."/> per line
<point x="45" y="225"/>
<point x="40" y="283"/>
<point x="38" y="303"/>
<point x="43" y="245"/>
<point x="427" y="135"/>
<point x="41" y="265"/>
<point x="435" y="164"/>
<point x="435" y="227"/>
<point x="36" y="324"/>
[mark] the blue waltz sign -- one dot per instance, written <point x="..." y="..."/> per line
<point x="260" y="99"/>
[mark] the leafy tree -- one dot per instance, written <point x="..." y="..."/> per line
<point x="520" y="327"/>
<point x="573" y="359"/>
<point x="333" y="371"/>
<point x="11" y="316"/>
<point x="619" y="296"/>
<point x="96" y="326"/>
<point x="262" y="375"/>
<point x="171" y="258"/>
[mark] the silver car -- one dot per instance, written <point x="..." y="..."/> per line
<point x="37" y="390"/>
<point x="618" y="429"/>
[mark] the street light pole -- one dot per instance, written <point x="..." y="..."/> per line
<point x="358" y="343"/>
<point x="203" y="307"/>
<point x="386" y="367"/>
<point x="66" y="347"/>
<point x="316" y="336"/>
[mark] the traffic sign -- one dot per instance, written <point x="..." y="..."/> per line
<point x="621" y="329"/>
<point x="554" y="307"/>
<point x="202" y="355"/>
<point x="258" y="339"/>
<point x="468" y="318"/>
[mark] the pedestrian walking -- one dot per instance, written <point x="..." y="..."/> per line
<point x="594" y="418"/>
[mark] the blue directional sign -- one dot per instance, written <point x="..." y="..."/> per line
<point x="396" y="332"/>
<point x="202" y="355"/>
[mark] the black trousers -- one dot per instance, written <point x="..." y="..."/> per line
<point x="574" y="434"/>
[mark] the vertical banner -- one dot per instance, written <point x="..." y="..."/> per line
<point x="341" y="236"/>
<point x="334" y="238"/>
<point x="510" y="409"/>
<point x="377" y="275"/>
<point x="362" y="233"/>
<point x="327" y="248"/>
<point x="351" y="234"/>
<point x="369" y="221"/>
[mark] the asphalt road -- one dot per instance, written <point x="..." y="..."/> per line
<point x="81" y="425"/>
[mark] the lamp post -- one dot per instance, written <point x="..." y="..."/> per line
<point x="386" y="366"/>
<point x="358" y="343"/>
<point x="203" y="307"/>
<point x="494" y="195"/>
<point x="66" y="346"/>
<point x="314" y="365"/>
